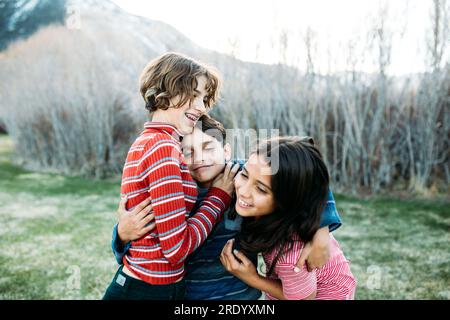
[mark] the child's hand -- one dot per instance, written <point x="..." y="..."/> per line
<point x="225" y="180"/>
<point x="133" y="224"/>
<point x="243" y="269"/>
<point x="315" y="253"/>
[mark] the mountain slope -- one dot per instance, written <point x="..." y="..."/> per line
<point x="21" y="18"/>
<point x="69" y="93"/>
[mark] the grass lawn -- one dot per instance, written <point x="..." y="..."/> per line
<point x="55" y="239"/>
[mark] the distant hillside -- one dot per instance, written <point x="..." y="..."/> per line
<point x="21" y="18"/>
<point x="128" y="42"/>
<point x="69" y="99"/>
<point x="73" y="88"/>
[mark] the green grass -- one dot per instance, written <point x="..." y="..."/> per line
<point x="55" y="239"/>
<point x="53" y="230"/>
<point x="399" y="249"/>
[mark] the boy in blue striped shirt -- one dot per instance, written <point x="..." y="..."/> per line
<point x="206" y="278"/>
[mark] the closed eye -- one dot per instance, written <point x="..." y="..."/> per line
<point x="261" y="190"/>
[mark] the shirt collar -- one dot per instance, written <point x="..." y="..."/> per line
<point x="165" y="127"/>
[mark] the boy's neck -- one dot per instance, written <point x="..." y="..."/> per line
<point x="205" y="185"/>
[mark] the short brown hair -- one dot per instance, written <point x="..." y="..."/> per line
<point x="212" y="127"/>
<point x="174" y="74"/>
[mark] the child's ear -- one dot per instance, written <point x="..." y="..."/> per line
<point x="227" y="151"/>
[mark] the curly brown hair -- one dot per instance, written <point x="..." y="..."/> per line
<point x="174" y="74"/>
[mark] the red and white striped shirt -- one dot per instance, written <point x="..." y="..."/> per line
<point x="155" y="168"/>
<point x="334" y="281"/>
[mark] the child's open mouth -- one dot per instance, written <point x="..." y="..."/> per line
<point x="244" y="204"/>
<point x="193" y="117"/>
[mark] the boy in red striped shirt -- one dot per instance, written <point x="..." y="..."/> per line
<point x="178" y="91"/>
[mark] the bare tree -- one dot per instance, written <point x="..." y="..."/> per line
<point x="77" y="110"/>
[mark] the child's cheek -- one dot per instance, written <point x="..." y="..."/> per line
<point x="264" y="204"/>
<point x="237" y="182"/>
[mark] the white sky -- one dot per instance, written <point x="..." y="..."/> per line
<point x="252" y="24"/>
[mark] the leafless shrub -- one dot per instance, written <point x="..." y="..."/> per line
<point x="71" y="104"/>
<point x="68" y="105"/>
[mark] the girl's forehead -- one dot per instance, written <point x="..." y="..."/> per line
<point x="258" y="167"/>
<point x="256" y="159"/>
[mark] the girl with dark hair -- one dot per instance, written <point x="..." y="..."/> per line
<point x="281" y="193"/>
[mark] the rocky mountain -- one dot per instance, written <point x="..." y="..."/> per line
<point x="21" y="18"/>
<point x="69" y="98"/>
<point x="71" y="90"/>
<point x="112" y="36"/>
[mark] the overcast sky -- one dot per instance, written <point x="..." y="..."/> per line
<point x="251" y="29"/>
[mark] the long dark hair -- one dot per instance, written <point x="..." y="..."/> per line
<point x="300" y="188"/>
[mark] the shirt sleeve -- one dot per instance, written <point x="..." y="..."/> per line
<point x="178" y="236"/>
<point x="118" y="248"/>
<point x="330" y="215"/>
<point x="297" y="286"/>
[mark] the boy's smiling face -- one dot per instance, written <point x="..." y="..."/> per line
<point x="205" y="156"/>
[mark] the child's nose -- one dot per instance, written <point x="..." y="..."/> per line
<point x="244" y="190"/>
<point x="200" y="107"/>
<point x="198" y="158"/>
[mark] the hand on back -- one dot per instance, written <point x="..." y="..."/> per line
<point x="134" y="224"/>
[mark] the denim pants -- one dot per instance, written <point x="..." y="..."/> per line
<point x="124" y="287"/>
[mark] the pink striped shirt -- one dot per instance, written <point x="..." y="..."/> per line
<point x="334" y="281"/>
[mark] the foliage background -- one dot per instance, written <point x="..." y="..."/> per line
<point x="69" y="109"/>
